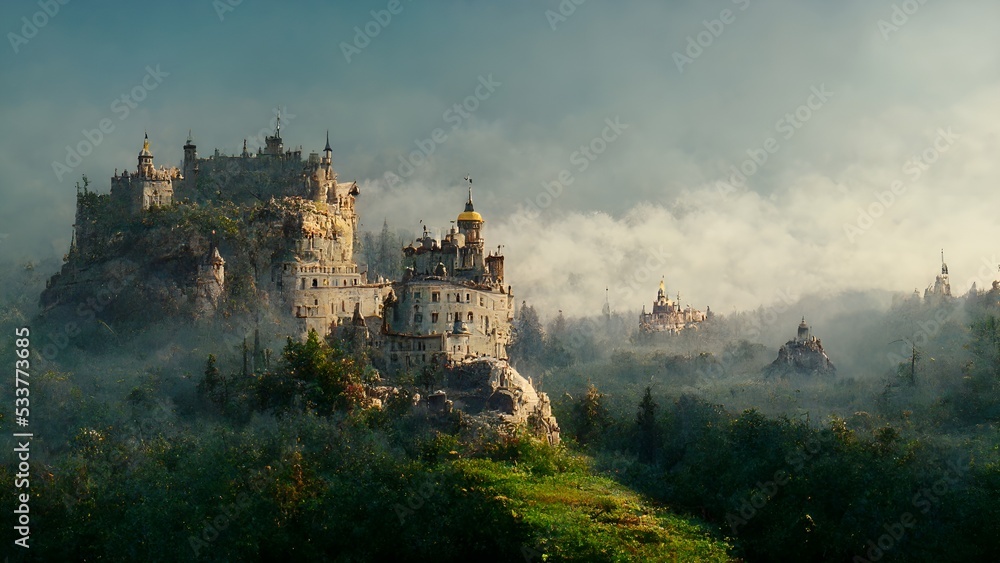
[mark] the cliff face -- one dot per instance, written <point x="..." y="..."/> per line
<point x="491" y="386"/>
<point x="187" y="260"/>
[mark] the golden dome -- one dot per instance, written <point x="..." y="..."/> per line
<point x="470" y="216"/>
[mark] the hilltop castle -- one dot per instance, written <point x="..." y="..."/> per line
<point x="669" y="316"/>
<point x="803" y="354"/>
<point x="449" y="304"/>
<point x="291" y="231"/>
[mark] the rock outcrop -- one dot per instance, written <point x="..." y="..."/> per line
<point x="491" y="385"/>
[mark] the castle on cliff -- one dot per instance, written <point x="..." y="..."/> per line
<point x="449" y="303"/>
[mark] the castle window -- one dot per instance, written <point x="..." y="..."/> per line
<point x="315" y="282"/>
<point x="303" y="283"/>
<point x="315" y="301"/>
<point x="435" y="297"/>
<point x="434" y="317"/>
<point x="468" y="297"/>
<point x="450" y="319"/>
<point x="416" y="295"/>
<point x="471" y="317"/>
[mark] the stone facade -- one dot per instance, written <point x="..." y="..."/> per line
<point x="451" y="303"/>
<point x="211" y="280"/>
<point x="148" y="186"/>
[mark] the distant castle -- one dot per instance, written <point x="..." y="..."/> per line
<point x="669" y="316"/>
<point x="942" y="285"/>
<point x="803" y="354"/>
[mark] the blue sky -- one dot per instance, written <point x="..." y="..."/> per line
<point x="649" y="205"/>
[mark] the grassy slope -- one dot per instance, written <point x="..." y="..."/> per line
<point x="577" y="516"/>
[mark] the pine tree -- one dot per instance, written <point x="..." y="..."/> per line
<point x="649" y="435"/>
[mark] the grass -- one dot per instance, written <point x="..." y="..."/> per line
<point x="574" y="515"/>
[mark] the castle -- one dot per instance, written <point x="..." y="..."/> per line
<point x="450" y="304"/>
<point x="669" y="316"/>
<point x="803" y="354"/>
<point x="449" y="308"/>
<point x="942" y="285"/>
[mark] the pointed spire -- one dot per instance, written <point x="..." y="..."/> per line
<point x="277" y="125"/>
<point x="327" y="149"/>
<point x="189" y="137"/>
<point x="468" y="204"/>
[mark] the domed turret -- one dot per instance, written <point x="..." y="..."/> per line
<point x="470" y="223"/>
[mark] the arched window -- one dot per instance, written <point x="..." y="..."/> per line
<point x="315" y="282"/>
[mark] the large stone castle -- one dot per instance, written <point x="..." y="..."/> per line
<point x="448" y="307"/>
<point x="450" y="303"/>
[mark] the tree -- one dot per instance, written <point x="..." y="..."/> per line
<point x="312" y="375"/>
<point x="592" y="417"/>
<point x="529" y="338"/>
<point x="215" y="386"/>
<point x="649" y="435"/>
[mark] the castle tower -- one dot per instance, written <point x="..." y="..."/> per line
<point x="147" y="187"/>
<point x="803" y="333"/>
<point x="273" y="144"/>
<point x="211" y="279"/>
<point x="324" y="181"/>
<point x="146" y="168"/>
<point x="470" y="223"/>
<point x="327" y="161"/>
<point x="942" y="284"/>
<point x="190" y="165"/>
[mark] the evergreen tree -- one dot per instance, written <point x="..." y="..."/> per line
<point x="649" y="435"/>
<point x="528" y="343"/>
